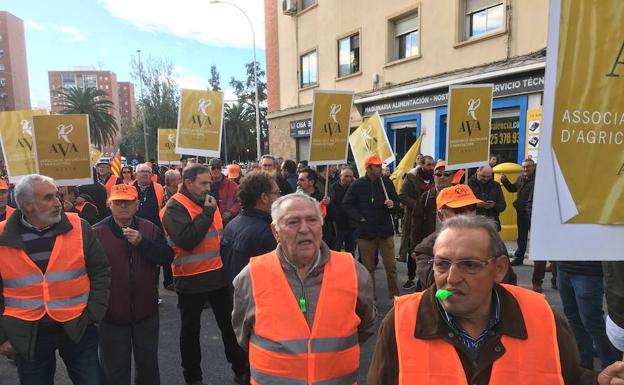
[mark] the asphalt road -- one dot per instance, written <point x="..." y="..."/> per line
<point x="214" y="365"/>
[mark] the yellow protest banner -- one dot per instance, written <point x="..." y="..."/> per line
<point x="407" y="163"/>
<point x="200" y="123"/>
<point x="17" y="144"/>
<point x="62" y="148"/>
<point x="588" y="118"/>
<point x="370" y="138"/>
<point x="331" y="118"/>
<point x="468" y="128"/>
<point x="533" y="130"/>
<point x="166" y="146"/>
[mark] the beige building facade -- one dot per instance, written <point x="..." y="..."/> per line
<point x="400" y="57"/>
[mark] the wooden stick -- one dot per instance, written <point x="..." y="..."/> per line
<point x="383" y="186"/>
<point x="326" y="180"/>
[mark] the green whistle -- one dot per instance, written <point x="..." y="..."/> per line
<point x="444" y="294"/>
<point x="303" y="305"/>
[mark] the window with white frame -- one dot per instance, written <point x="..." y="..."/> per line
<point x="483" y="17"/>
<point x="406" y="37"/>
<point x="349" y="55"/>
<point x="303" y="4"/>
<point x="308" y="69"/>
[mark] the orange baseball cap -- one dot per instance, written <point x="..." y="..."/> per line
<point x="4" y="185"/>
<point x="441" y="164"/>
<point x="456" y="196"/>
<point x="233" y="171"/>
<point x="373" y="160"/>
<point x="123" y="192"/>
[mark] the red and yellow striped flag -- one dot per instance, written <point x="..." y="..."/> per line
<point x="116" y="164"/>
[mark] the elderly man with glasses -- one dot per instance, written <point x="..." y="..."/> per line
<point x="471" y="329"/>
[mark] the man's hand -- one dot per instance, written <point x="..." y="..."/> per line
<point x="210" y="202"/>
<point x="503" y="177"/>
<point x="389" y="203"/>
<point x="612" y="374"/>
<point x="325" y="200"/>
<point x="6" y="349"/>
<point x="133" y="236"/>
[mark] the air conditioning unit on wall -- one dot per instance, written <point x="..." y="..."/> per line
<point x="289" y="7"/>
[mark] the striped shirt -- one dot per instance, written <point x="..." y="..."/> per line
<point x="38" y="243"/>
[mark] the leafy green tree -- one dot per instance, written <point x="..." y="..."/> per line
<point x="159" y="103"/>
<point x="214" y="82"/>
<point x="245" y="92"/>
<point x="95" y="103"/>
<point x="239" y="123"/>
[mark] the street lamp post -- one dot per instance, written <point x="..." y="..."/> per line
<point x="143" y="108"/>
<point x="255" y="72"/>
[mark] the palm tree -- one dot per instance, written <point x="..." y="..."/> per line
<point x="95" y="103"/>
<point x="239" y="124"/>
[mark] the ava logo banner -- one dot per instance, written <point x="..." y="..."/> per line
<point x="200" y="123"/>
<point x="468" y="128"/>
<point x="16" y="136"/>
<point x="62" y="148"/>
<point x="370" y="138"/>
<point x="166" y="146"/>
<point x="331" y="118"/>
<point x="588" y="120"/>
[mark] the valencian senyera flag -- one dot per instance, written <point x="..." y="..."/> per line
<point x="166" y="146"/>
<point x="407" y="163"/>
<point x="370" y="138"/>
<point x="200" y="123"/>
<point x="62" y="148"/>
<point x="331" y="120"/>
<point x="468" y="127"/>
<point x="17" y="144"/>
<point x="116" y="164"/>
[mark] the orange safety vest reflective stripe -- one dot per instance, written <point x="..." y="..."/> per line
<point x="112" y="180"/>
<point x="535" y="360"/>
<point x="204" y="257"/>
<point x="282" y="349"/>
<point x="8" y="210"/>
<point x="62" y="292"/>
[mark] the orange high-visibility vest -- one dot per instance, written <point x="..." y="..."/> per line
<point x="8" y="210"/>
<point x="62" y="292"/>
<point x="282" y="348"/>
<point x="160" y="192"/>
<point x="204" y="257"/>
<point x="81" y="206"/>
<point x="112" y="180"/>
<point x="534" y="361"/>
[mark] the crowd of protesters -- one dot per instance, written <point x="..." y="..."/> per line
<point x="284" y="255"/>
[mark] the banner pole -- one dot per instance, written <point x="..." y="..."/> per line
<point x="383" y="186"/>
<point x="326" y="180"/>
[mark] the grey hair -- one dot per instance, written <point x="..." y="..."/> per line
<point x="141" y="166"/>
<point x="24" y="191"/>
<point x="276" y="207"/>
<point x="271" y="157"/>
<point x="460" y="222"/>
<point x="170" y="175"/>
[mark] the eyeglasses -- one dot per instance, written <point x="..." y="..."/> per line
<point x="465" y="266"/>
<point x="462" y="210"/>
<point x="447" y="174"/>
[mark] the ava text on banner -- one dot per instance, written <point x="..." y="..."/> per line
<point x="578" y="202"/>
<point x="17" y="144"/>
<point x="370" y="138"/>
<point x="468" y="126"/>
<point x="63" y="149"/>
<point x="166" y="146"/>
<point x="200" y="123"/>
<point x="331" y="117"/>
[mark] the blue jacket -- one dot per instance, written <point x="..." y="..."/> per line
<point x="248" y="235"/>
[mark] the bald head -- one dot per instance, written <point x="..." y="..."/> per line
<point x="485" y="173"/>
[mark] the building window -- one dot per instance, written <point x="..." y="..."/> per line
<point x="308" y="69"/>
<point x="483" y="16"/>
<point x="90" y="81"/>
<point x="1" y="53"/>
<point x="303" y="4"/>
<point x="3" y="82"/>
<point x="68" y="80"/>
<point x="1" y="67"/>
<point x="349" y="55"/>
<point x="406" y="37"/>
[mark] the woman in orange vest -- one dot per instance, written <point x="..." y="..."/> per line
<point x="296" y="335"/>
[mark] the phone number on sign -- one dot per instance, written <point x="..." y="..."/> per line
<point x="504" y="138"/>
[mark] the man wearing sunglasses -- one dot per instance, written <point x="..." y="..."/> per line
<point x="450" y="202"/>
<point x="224" y="191"/>
<point x="485" y="332"/>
